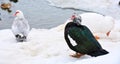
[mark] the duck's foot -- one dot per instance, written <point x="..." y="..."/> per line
<point x="77" y="55"/>
<point x="97" y="37"/>
<point x="108" y="33"/>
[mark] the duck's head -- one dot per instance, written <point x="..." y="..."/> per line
<point x="19" y="14"/>
<point x="76" y="19"/>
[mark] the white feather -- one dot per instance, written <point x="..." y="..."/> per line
<point x="97" y="23"/>
<point x="20" y="25"/>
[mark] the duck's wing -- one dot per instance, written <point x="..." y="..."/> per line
<point x="66" y="34"/>
<point x="25" y="27"/>
<point x="20" y="26"/>
<point x="14" y="27"/>
<point x="87" y="44"/>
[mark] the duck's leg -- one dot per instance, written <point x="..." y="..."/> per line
<point x="77" y="55"/>
<point x="108" y="33"/>
<point x="97" y="37"/>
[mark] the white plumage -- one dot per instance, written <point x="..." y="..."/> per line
<point x="97" y="23"/>
<point x="115" y="33"/>
<point x="20" y="24"/>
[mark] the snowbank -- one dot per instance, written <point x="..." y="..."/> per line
<point x="47" y="46"/>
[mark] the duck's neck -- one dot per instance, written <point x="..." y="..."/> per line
<point x="20" y="15"/>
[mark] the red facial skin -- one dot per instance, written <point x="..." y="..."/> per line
<point x="16" y="13"/>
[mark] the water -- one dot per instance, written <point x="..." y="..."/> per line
<point x="38" y="12"/>
<point x="104" y="7"/>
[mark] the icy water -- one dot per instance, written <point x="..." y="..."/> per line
<point x="104" y="7"/>
<point x="38" y="12"/>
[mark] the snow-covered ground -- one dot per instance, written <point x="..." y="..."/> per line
<point x="47" y="46"/>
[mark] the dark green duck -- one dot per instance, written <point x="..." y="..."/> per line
<point x="86" y="42"/>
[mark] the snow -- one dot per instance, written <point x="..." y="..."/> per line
<point x="47" y="46"/>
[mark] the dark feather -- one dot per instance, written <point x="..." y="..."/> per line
<point x="86" y="42"/>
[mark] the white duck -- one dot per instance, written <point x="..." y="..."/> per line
<point x="98" y="23"/>
<point x="115" y="33"/>
<point x="20" y="26"/>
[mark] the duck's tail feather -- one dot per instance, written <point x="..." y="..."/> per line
<point x="20" y="38"/>
<point x="98" y="53"/>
